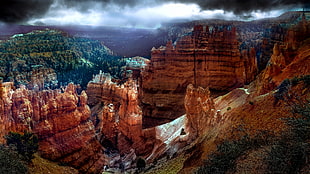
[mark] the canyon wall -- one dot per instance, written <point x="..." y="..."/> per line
<point x="190" y="129"/>
<point x="118" y="118"/>
<point x="289" y="59"/>
<point x="207" y="57"/>
<point x="60" y="119"/>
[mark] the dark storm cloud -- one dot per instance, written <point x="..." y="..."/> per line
<point x="12" y="11"/>
<point x="84" y="5"/>
<point x="236" y="6"/>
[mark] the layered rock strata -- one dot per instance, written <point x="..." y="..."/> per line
<point x="190" y="129"/>
<point x="200" y="110"/>
<point x="208" y="57"/>
<point x="250" y="64"/>
<point x="61" y="121"/>
<point x="289" y="59"/>
<point x="117" y="114"/>
<point x="118" y="121"/>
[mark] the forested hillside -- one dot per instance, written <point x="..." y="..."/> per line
<point x="73" y="59"/>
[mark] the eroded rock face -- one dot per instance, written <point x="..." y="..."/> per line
<point x="118" y="120"/>
<point x="206" y="58"/>
<point x="250" y="64"/>
<point x="116" y="113"/>
<point x="189" y="129"/>
<point x="200" y="110"/>
<point x="61" y="121"/>
<point x="8" y="121"/>
<point x="288" y="60"/>
<point x="42" y="78"/>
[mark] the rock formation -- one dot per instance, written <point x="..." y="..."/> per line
<point x="117" y="115"/>
<point x="177" y="84"/>
<point x="208" y="57"/>
<point x="289" y="59"/>
<point x="134" y="66"/>
<point x="250" y="64"/>
<point x="200" y="110"/>
<point x="190" y="129"/>
<point x="61" y="121"/>
<point x="42" y="78"/>
<point x="118" y="121"/>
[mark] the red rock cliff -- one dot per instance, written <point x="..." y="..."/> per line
<point x="61" y="121"/>
<point x="288" y="60"/>
<point x="206" y="58"/>
<point x="117" y="114"/>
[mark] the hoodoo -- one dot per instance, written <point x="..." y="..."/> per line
<point x="207" y="57"/>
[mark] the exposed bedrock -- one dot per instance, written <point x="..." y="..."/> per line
<point x="206" y="57"/>
<point x="60" y="119"/>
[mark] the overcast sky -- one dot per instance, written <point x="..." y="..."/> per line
<point x="138" y="13"/>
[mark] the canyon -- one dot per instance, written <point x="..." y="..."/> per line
<point x="207" y="57"/>
<point x="205" y="88"/>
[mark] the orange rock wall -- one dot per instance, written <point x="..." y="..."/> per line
<point x="289" y="59"/>
<point x="61" y="121"/>
<point x="206" y="58"/>
<point x="200" y="110"/>
<point x="117" y="113"/>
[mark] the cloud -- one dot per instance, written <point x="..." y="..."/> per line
<point x="234" y="6"/>
<point x="116" y="15"/>
<point x="12" y="11"/>
<point x="136" y="13"/>
<point x="240" y="7"/>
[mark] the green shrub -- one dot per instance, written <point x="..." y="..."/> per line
<point x="141" y="163"/>
<point x="286" y="84"/>
<point x="282" y="89"/>
<point x="183" y="132"/>
<point x="291" y="153"/>
<point x="287" y="157"/>
<point x="305" y="79"/>
<point x="74" y="59"/>
<point x="11" y="162"/>
<point x="26" y="144"/>
<point x="224" y="158"/>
